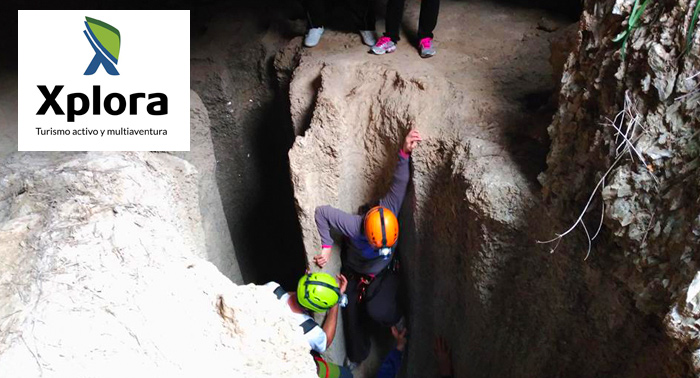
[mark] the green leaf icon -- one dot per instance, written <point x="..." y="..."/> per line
<point x="107" y="36"/>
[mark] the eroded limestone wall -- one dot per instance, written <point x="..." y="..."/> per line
<point x="102" y="276"/>
<point x="651" y="227"/>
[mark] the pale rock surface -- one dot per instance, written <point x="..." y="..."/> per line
<point x="101" y="276"/>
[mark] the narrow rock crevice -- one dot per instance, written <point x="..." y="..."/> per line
<point x="251" y="137"/>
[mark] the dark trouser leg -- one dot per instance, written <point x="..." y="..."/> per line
<point x="315" y="13"/>
<point x="357" y="343"/>
<point x="429" y="10"/>
<point x="370" y="19"/>
<point x="394" y="14"/>
<point x="383" y="304"/>
<point x="363" y="14"/>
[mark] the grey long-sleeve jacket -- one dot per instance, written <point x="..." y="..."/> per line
<point x="362" y="257"/>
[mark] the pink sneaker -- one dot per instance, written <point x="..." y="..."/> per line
<point x="426" y="48"/>
<point x="384" y="45"/>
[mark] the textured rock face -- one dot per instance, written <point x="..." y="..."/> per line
<point x="473" y="270"/>
<point x="219" y="247"/>
<point x="651" y="225"/>
<point x="231" y="69"/>
<point x="103" y="275"/>
<point x="8" y="113"/>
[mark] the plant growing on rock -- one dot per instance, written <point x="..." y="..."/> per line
<point x="691" y="27"/>
<point x="632" y="23"/>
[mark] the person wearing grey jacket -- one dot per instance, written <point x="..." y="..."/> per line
<point x="372" y="280"/>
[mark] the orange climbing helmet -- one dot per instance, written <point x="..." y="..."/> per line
<point x="381" y="228"/>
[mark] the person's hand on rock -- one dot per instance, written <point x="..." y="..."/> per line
<point x="411" y="141"/>
<point x="343" y="283"/>
<point x="444" y="359"/>
<point x="322" y="258"/>
<point x="400" y="338"/>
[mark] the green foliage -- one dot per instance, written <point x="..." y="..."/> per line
<point x="691" y="27"/>
<point x="632" y="23"/>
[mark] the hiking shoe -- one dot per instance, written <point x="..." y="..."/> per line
<point x="384" y="45"/>
<point x="426" y="48"/>
<point x="369" y="38"/>
<point x="313" y="35"/>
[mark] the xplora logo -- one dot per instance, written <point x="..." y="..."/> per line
<point x="106" y="41"/>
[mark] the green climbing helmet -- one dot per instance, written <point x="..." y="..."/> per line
<point x="318" y="291"/>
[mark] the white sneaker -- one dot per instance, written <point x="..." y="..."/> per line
<point x="369" y="37"/>
<point x="313" y="35"/>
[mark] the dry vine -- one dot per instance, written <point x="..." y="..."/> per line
<point x="628" y="130"/>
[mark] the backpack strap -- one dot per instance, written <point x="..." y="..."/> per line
<point x="308" y="325"/>
<point x="279" y="292"/>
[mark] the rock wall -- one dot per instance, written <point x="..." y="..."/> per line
<point x="8" y="113"/>
<point x="101" y="276"/>
<point x="649" y="196"/>
<point x="233" y="46"/>
<point x="219" y="247"/>
<point x="473" y="269"/>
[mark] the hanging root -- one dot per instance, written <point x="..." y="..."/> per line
<point x="585" y="209"/>
<point x="628" y="130"/>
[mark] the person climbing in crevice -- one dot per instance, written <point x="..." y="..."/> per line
<point x="392" y="363"/>
<point x="369" y="263"/>
<point x="317" y="292"/>
<point x="427" y="21"/>
<point x="361" y="13"/>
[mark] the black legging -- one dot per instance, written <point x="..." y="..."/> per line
<point x="380" y="304"/>
<point x="361" y="12"/>
<point x="429" y="10"/>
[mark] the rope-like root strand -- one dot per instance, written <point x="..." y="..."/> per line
<point x="628" y="119"/>
<point x="628" y="145"/>
<point x="602" y="213"/>
<point x="600" y="184"/>
<point x="622" y="114"/>
<point x="580" y="218"/>
<point x="557" y="239"/>
<point x="590" y="241"/>
<point x="693" y="92"/>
